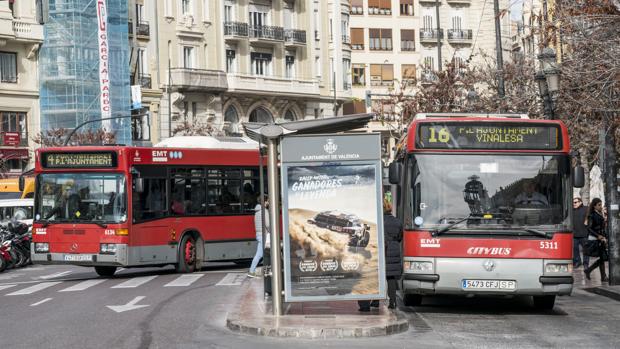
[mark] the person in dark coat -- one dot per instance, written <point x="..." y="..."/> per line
<point x="393" y="235"/>
<point x="580" y="233"/>
<point x="596" y="230"/>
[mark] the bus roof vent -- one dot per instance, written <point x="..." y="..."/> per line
<point x="208" y="142"/>
<point x="420" y="116"/>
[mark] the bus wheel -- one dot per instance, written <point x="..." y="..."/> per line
<point x="187" y="258"/>
<point x="105" y="271"/>
<point x="544" y="302"/>
<point x="412" y="300"/>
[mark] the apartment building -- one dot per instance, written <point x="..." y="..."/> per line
<point x="231" y="61"/>
<point x="20" y="38"/>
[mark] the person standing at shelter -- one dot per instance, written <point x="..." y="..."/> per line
<point x="258" y="228"/>
<point x="580" y="233"/>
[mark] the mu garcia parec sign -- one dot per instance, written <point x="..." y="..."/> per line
<point x="488" y="136"/>
<point x="332" y="218"/>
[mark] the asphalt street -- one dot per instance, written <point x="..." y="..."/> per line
<point x="71" y="307"/>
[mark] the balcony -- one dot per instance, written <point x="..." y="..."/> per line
<point x="460" y="36"/>
<point x="294" y="37"/>
<point x="14" y="139"/>
<point x="346" y="39"/>
<point x="271" y="85"/>
<point x="467" y="2"/>
<point x="145" y="81"/>
<point x="143" y="30"/>
<point x="429" y="36"/>
<point x="191" y="79"/>
<point x="234" y="30"/>
<point x="266" y="33"/>
<point x="20" y="31"/>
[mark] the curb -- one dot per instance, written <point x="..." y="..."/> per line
<point x="603" y="291"/>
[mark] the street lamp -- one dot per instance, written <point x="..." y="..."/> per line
<point x="548" y="80"/>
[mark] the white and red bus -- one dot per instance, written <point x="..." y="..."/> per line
<point x="485" y="201"/>
<point x="186" y="201"/>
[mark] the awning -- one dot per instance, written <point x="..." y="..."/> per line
<point x="8" y="154"/>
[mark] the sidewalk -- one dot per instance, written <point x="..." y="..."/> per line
<point x="595" y="285"/>
<point x="339" y="319"/>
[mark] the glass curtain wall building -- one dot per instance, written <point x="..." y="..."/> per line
<point x="70" y="67"/>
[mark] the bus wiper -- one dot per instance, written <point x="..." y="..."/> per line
<point x="452" y="225"/>
<point x="537" y="232"/>
<point x="103" y="225"/>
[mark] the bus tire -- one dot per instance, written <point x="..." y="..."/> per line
<point x="187" y="255"/>
<point x="544" y="302"/>
<point x="105" y="271"/>
<point x="412" y="300"/>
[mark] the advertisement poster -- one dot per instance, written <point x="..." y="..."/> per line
<point x="333" y="226"/>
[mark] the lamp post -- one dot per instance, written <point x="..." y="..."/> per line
<point x="548" y="80"/>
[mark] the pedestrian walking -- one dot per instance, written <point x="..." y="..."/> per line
<point x="393" y="235"/>
<point x="258" y="228"/>
<point x="580" y="234"/>
<point x="597" y="238"/>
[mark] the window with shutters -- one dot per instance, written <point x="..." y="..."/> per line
<point x="261" y="63"/>
<point x="380" y="39"/>
<point x="408" y="73"/>
<point x="290" y="65"/>
<point x="357" y="7"/>
<point x="406" y="7"/>
<point x="359" y="75"/>
<point x="231" y="62"/>
<point x="380" y="7"/>
<point x="357" y="38"/>
<point x="8" y="66"/>
<point x="381" y="74"/>
<point x="407" y="40"/>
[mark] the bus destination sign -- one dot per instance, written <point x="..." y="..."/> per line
<point x="79" y="160"/>
<point x="488" y="136"/>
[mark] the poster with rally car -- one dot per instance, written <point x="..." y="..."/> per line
<point x="332" y="215"/>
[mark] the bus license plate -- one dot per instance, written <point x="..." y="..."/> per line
<point x="489" y="284"/>
<point x="78" y="258"/>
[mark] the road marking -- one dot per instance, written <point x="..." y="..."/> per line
<point x="82" y="285"/>
<point x="3" y="287"/>
<point x="34" y="268"/>
<point x="129" y="306"/>
<point x="184" y="280"/>
<point x="40" y="302"/>
<point x="135" y="282"/>
<point x="232" y="279"/>
<point x="34" y="288"/>
<point x="56" y="275"/>
<point x="10" y="276"/>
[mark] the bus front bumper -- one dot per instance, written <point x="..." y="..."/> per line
<point x="117" y="259"/>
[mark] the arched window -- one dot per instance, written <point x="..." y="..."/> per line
<point x="260" y="114"/>
<point x="231" y="120"/>
<point x="290" y="115"/>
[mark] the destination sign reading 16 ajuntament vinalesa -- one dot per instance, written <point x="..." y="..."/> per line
<point x="79" y="160"/>
<point x="487" y="136"/>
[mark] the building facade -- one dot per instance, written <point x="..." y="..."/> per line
<point x="221" y="63"/>
<point x="20" y="38"/>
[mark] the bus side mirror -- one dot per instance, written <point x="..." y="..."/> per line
<point x="395" y="170"/>
<point x="139" y="185"/>
<point x="578" y="177"/>
<point x="22" y="183"/>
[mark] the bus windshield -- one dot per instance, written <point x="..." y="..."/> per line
<point x="493" y="191"/>
<point x="81" y="198"/>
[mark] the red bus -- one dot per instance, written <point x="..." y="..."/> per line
<point x="485" y="201"/>
<point x="185" y="202"/>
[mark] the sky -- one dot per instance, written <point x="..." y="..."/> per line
<point x="515" y="9"/>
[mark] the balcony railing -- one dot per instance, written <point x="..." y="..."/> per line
<point x="145" y="80"/>
<point x="357" y="46"/>
<point x="191" y="79"/>
<point x="430" y="35"/>
<point x="267" y="32"/>
<point x="458" y="1"/>
<point x="460" y="35"/>
<point x="272" y="85"/>
<point x="346" y="39"/>
<point x="26" y="31"/>
<point x="235" y="29"/>
<point x="428" y="77"/>
<point x="294" y="36"/>
<point x="346" y="86"/>
<point x="143" y="29"/>
<point x="14" y="139"/>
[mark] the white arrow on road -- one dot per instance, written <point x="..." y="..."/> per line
<point x="129" y="306"/>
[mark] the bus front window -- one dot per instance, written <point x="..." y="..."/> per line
<point x="83" y="197"/>
<point x="495" y="192"/>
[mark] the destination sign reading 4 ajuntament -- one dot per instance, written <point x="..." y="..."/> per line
<point x="487" y="136"/>
<point x="79" y="160"/>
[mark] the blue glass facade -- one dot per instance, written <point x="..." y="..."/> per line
<point x="69" y="67"/>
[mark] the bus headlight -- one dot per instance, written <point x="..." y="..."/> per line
<point x="41" y="247"/>
<point x="558" y="268"/>
<point x="418" y="267"/>
<point x="108" y="248"/>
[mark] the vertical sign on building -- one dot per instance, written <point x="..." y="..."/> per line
<point x="332" y="218"/>
<point x="104" y="68"/>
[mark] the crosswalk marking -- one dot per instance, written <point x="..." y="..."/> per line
<point x="82" y="285"/>
<point x="55" y="275"/>
<point x="184" y="280"/>
<point x="4" y="287"/>
<point x="135" y="282"/>
<point x="40" y="302"/>
<point x="34" y="288"/>
<point x="232" y="279"/>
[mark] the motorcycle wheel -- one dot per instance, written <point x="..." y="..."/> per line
<point x="2" y="264"/>
<point x="11" y="263"/>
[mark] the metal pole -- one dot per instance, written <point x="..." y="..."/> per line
<point x="274" y="222"/>
<point x="334" y="83"/>
<point x="438" y="36"/>
<point x="610" y="176"/>
<point x="498" y="47"/>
